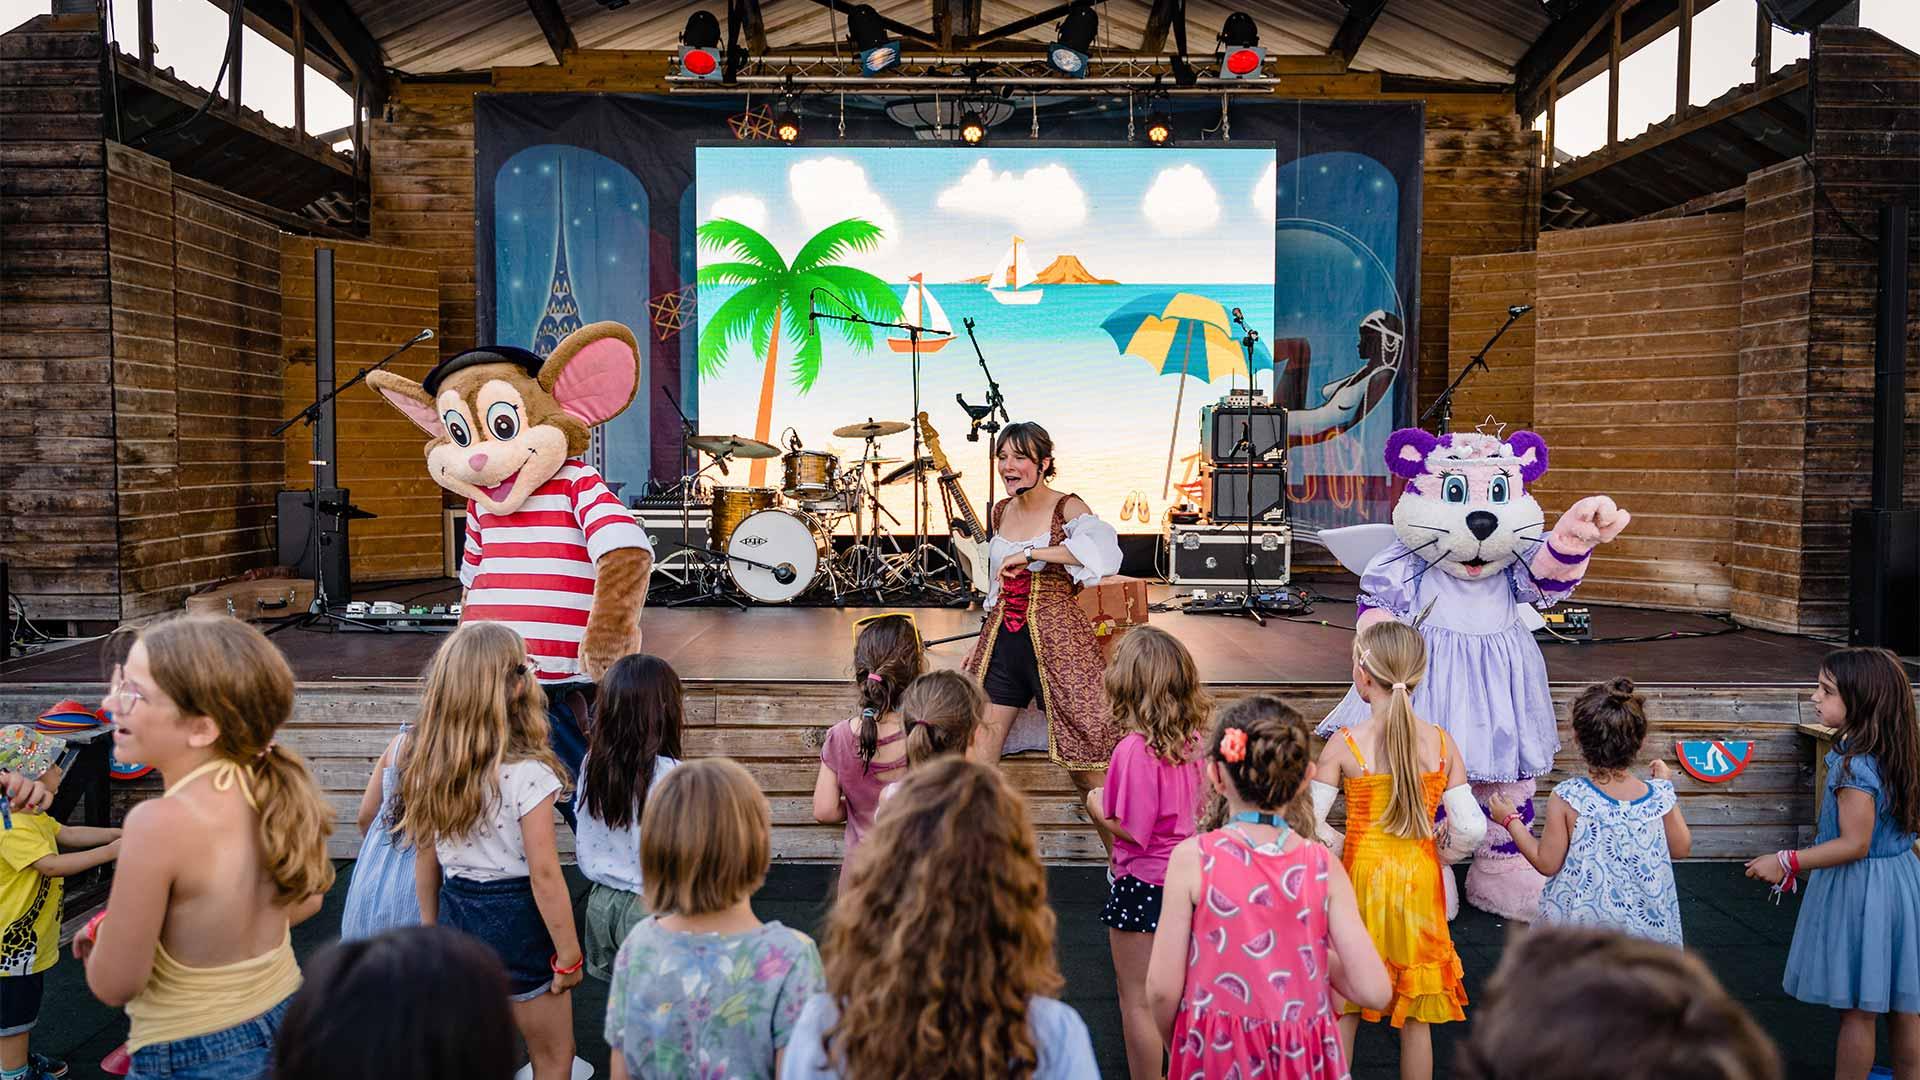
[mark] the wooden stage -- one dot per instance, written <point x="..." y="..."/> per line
<point x="764" y="684"/>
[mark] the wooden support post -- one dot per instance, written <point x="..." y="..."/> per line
<point x="1553" y="99"/>
<point x="1762" y="46"/>
<point x="299" y="74"/>
<point x="1613" y="79"/>
<point x="1685" y="73"/>
<point x="145" y="30"/>
<point x="233" y="70"/>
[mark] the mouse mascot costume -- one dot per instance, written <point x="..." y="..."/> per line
<point x="550" y="551"/>
<point x="1468" y="551"/>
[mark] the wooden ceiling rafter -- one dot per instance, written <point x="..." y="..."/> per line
<point x="553" y="26"/>
<point x="1160" y="17"/>
<point x="1361" y="15"/>
<point x="895" y="26"/>
<point x="956" y="22"/>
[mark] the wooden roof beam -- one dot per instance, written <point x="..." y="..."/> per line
<point x="752" y="25"/>
<point x="348" y="36"/>
<point x="1021" y="26"/>
<point x="1694" y="121"/>
<point x="956" y="22"/>
<point x="553" y="24"/>
<point x="1355" y="28"/>
<point x="901" y="29"/>
<point x="1159" y="20"/>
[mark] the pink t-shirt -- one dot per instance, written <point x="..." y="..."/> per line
<point x="860" y="782"/>
<point x="1154" y="802"/>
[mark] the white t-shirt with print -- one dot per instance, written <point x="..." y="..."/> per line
<point x="609" y="856"/>
<point x="496" y="850"/>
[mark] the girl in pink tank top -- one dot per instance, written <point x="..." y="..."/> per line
<point x="1259" y="927"/>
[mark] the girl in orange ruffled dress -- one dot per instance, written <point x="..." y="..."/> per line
<point x="1397" y="771"/>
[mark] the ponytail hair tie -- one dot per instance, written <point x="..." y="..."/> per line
<point x="266" y="751"/>
<point x="1233" y="746"/>
<point x="1399" y="686"/>
<point x="874" y="676"/>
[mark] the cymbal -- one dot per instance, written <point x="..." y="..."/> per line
<point x="737" y="445"/>
<point x="906" y="471"/>
<point x="857" y="462"/>
<point x="872" y="429"/>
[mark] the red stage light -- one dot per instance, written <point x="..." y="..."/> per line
<point x="1243" y="61"/>
<point x="699" y="62"/>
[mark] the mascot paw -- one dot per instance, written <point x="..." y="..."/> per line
<point x="1587" y="524"/>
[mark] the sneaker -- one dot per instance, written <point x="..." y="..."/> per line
<point x="39" y="1065"/>
<point x="117" y="1063"/>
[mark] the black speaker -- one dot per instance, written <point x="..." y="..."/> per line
<point x="1228" y="488"/>
<point x="298" y="542"/>
<point x="1886" y="580"/>
<point x="1222" y="428"/>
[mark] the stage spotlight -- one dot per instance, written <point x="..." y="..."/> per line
<point x="1240" y="54"/>
<point x="878" y="54"/>
<point x="700" y="47"/>
<point x="786" y="122"/>
<point x="1068" y="54"/>
<point x="973" y="127"/>
<point x="1159" y="126"/>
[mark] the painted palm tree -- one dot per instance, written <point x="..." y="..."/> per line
<point x="774" y="300"/>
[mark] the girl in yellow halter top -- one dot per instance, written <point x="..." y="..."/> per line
<point x="195" y="942"/>
<point x="1396" y="771"/>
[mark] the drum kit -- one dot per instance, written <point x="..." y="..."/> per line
<point x="776" y="545"/>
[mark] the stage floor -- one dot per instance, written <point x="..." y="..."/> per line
<point x="812" y="644"/>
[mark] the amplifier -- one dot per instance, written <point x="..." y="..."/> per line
<point x="1215" y="555"/>
<point x="1220" y="431"/>
<point x="1224" y="494"/>
<point x="298" y="544"/>
<point x="663" y="527"/>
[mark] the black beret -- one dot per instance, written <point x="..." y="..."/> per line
<point x="485" y="354"/>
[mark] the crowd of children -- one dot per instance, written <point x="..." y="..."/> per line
<point x="1248" y="937"/>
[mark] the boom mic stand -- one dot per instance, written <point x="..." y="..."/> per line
<point x="985" y="418"/>
<point x="318" y="417"/>
<point x="1246" y="606"/>
<point x="1443" y="405"/>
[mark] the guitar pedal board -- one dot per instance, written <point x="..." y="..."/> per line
<point x="1567" y="624"/>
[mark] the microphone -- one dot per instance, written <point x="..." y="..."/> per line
<point x="1518" y="310"/>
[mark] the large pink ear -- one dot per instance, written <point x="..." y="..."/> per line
<point x="594" y="373"/>
<point x="411" y="399"/>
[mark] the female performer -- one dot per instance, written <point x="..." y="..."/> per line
<point x="1038" y="644"/>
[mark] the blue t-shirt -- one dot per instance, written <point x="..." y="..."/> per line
<point x="1066" y="1051"/>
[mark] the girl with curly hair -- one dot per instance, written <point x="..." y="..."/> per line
<point x="939" y="951"/>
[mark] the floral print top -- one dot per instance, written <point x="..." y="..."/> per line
<point x="708" y="1006"/>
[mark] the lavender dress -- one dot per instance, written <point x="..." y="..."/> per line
<point x="1486" y="681"/>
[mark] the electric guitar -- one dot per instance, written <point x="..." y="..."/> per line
<point x="969" y="536"/>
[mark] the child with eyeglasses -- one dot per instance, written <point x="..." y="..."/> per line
<point x="866" y="751"/>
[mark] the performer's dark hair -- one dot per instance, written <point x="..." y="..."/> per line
<point x="1030" y="441"/>
<point x="637" y="720"/>
<point x="1610" y="722"/>
<point x="1666" y="1014"/>
<point x="1279" y="749"/>
<point x="451" y="1021"/>
<point x="886" y="657"/>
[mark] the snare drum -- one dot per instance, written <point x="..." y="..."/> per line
<point x="786" y="549"/>
<point x="733" y="505"/>
<point x="809" y="474"/>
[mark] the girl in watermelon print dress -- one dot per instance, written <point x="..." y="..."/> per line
<point x="1259" y="927"/>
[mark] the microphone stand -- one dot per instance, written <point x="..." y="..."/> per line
<point x="985" y="418"/>
<point x="1443" y="405"/>
<point x="1246" y="606"/>
<point x="311" y="416"/>
<point x="917" y="574"/>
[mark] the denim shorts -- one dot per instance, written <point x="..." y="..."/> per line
<point x="20" y="1002"/>
<point x="504" y="917"/>
<point x="241" y="1052"/>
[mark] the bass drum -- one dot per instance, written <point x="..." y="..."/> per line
<point x="789" y="548"/>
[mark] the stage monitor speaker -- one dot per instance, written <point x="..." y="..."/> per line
<point x="1886" y="580"/>
<point x="297" y="542"/>
<point x="1227" y="491"/>
<point x="1222" y="428"/>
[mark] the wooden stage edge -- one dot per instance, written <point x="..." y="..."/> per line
<point x="356" y="690"/>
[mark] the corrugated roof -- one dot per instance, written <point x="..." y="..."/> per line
<point x="1477" y="40"/>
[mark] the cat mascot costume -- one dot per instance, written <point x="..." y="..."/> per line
<point x="1468" y="551"/>
<point x="550" y="551"/>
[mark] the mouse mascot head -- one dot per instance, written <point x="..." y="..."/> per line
<point x="506" y="430"/>
<point x="1466" y="508"/>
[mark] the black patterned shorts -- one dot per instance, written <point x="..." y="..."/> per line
<point x="1132" y="905"/>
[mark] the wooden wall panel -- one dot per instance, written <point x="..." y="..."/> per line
<point x="1635" y="384"/>
<point x="227" y="342"/>
<point x="57" y="528"/>
<point x="422" y="194"/>
<point x="1483" y="287"/>
<point x="1866" y="152"/>
<point x="140" y="219"/>
<point x="383" y="295"/>
<point x="1770" y="454"/>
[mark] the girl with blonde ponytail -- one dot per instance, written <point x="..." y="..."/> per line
<point x="1396" y="771"/>
<point x="216" y="872"/>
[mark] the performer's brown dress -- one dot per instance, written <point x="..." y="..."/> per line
<point x="1080" y="729"/>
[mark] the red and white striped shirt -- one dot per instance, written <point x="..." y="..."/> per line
<point x="533" y="569"/>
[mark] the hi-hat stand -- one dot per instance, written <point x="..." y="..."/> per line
<point x="918" y="577"/>
<point x="1443" y="405"/>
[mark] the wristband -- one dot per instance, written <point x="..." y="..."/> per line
<point x="92" y="929"/>
<point x="1508" y="821"/>
<point x="554" y="963"/>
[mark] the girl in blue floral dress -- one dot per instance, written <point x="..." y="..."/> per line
<point x="1856" y="946"/>
<point x="1611" y="837"/>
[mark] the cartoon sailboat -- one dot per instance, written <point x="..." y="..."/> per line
<point x="1009" y="280"/>
<point x="922" y="310"/>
